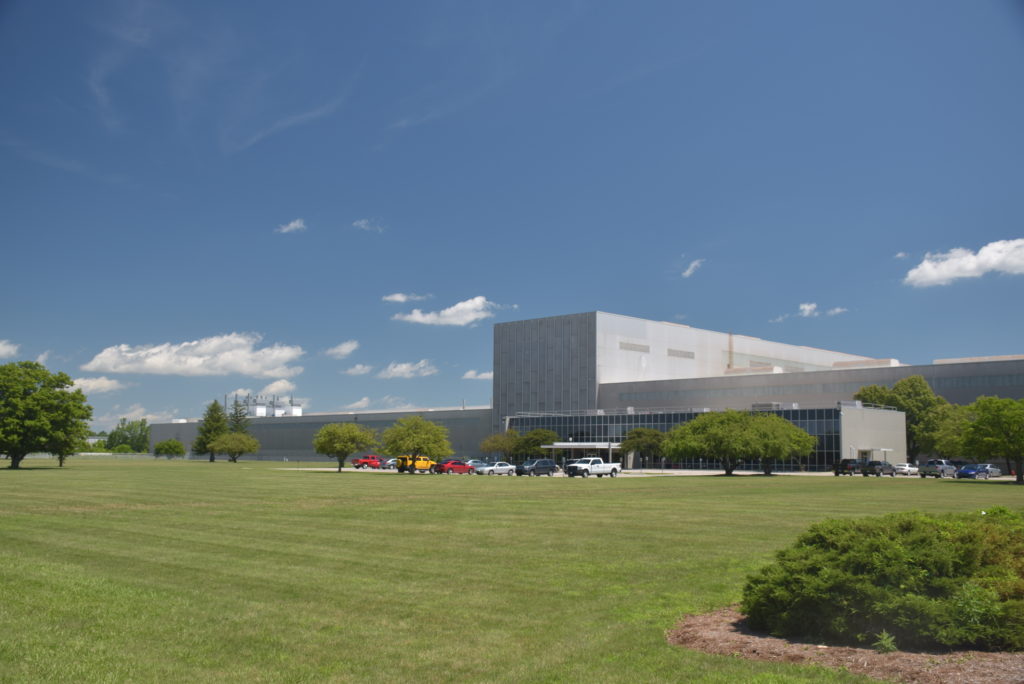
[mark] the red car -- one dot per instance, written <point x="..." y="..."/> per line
<point x="368" y="461"/>
<point x="454" y="465"/>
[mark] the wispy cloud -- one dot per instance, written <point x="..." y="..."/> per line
<point x="291" y="227"/>
<point x="220" y="355"/>
<point x="279" y="387"/>
<point x="809" y="310"/>
<point x="53" y="161"/>
<point x="133" y="412"/>
<point x="835" y="311"/>
<point x="463" y="313"/>
<point x="8" y="349"/>
<point x="386" y="402"/>
<point x="368" y="226"/>
<point x="98" y="385"/>
<point x="358" y="369"/>
<point x="293" y="120"/>
<point x="420" y="369"/>
<point x="359" y="404"/>
<point x="43" y="358"/>
<point x="942" y="268"/>
<point x="473" y="375"/>
<point x="343" y="350"/>
<point x="900" y="255"/>
<point x="402" y="298"/>
<point x="692" y="268"/>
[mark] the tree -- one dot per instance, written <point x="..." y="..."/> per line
<point x="914" y="396"/>
<point x="238" y="421"/>
<point x="997" y="432"/>
<point x="39" y="411"/>
<point x="722" y="437"/>
<point x="213" y="425"/>
<point x="777" y="440"/>
<point x="234" y="444"/>
<point x="416" y="436"/>
<point x="530" y="443"/>
<point x="644" y="441"/>
<point x="952" y="421"/>
<point x="504" y="443"/>
<point x="134" y="433"/>
<point x="341" y="440"/>
<point x="169" y="448"/>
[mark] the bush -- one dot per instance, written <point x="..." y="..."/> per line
<point x="122" y="449"/>
<point x="925" y="582"/>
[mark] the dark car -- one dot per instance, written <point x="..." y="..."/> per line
<point x="847" y="466"/>
<point x="878" y="469"/>
<point x="973" y="471"/>
<point x="536" y="467"/>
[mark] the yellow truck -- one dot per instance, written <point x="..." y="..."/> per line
<point x="414" y="464"/>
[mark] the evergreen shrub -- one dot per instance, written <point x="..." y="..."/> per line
<point x="924" y="581"/>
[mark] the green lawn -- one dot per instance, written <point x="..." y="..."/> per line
<point x="174" y="571"/>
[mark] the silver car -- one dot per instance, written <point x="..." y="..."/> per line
<point x="905" y="469"/>
<point x="499" y="468"/>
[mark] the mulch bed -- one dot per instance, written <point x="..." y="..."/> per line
<point x="724" y="632"/>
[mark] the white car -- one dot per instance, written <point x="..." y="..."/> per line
<point x="499" y="468"/>
<point x="907" y="469"/>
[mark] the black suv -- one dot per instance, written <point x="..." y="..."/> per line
<point x="847" y="466"/>
<point x="537" y="466"/>
<point x="878" y="469"/>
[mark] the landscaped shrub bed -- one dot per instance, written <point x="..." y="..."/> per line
<point x="906" y="580"/>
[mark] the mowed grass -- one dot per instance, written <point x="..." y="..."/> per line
<point x="175" y="571"/>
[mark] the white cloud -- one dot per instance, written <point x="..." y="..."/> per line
<point x="835" y="311"/>
<point x="342" y="350"/>
<point x="98" y="385"/>
<point x="43" y="358"/>
<point x="1002" y="256"/>
<point x="241" y="392"/>
<point x="386" y="402"/>
<point x="402" y="298"/>
<point x="133" y="412"/>
<point x="419" y="369"/>
<point x="900" y="255"/>
<point x="279" y="388"/>
<point x="692" y="268"/>
<point x="809" y="310"/>
<point x="463" y="313"/>
<point x="293" y="226"/>
<point x="220" y="355"/>
<point x="8" y="349"/>
<point x="361" y="404"/>
<point x="367" y="225"/>
<point x="779" y="319"/>
<point x="298" y="119"/>
<point x="473" y="375"/>
<point x="359" y="369"/>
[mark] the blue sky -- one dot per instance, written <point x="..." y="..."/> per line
<point x="336" y="201"/>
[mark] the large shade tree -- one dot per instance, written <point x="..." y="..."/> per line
<point x="341" y="440"/>
<point x="504" y="443"/>
<point x="213" y="425"/>
<point x="235" y="444"/>
<point x="997" y="432"/>
<point x="723" y="436"/>
<point x="530" y="444"/>
<point x="134" y="433"/>
<point x="776" y="440"/>
<point x="40" y="411"/>
<point x="417" y="436"/>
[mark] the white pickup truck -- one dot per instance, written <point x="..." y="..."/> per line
<point x="585" y="467"/>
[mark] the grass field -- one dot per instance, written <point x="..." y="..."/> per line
<point x="175" y="571"/>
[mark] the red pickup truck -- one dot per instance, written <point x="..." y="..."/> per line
<point x="368" y="461"/>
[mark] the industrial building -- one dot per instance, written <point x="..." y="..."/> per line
<point x="591" y="377"/>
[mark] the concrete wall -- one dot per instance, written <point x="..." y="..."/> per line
<point x="867" y="431"/>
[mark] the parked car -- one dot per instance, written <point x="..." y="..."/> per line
<point x="499" y="468"/>
<point x="992" y="470"/>
<point x="907" y="469"/>
<point x="536" y="467"/>
<point x="878" y="469"/>
<point x="937" y="467"/>
<point x="390" y="464"/>
<point x="477" y="463"/>
<point x="415" y="464"/>
<point x="847" y="466"/>
<point x="368" y="461"/>
<point x="454" y="465"/>
<point x="973" y="471"/>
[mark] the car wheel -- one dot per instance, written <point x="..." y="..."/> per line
<point x="550" y="473"/>
<point x="922" y="475"/>
<point x="613" y="473"/>
<point x="586" y="473"/>
<point x="533" y="473"/>
<point x="490" y="472"/>
<point x="511" y="473"/>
